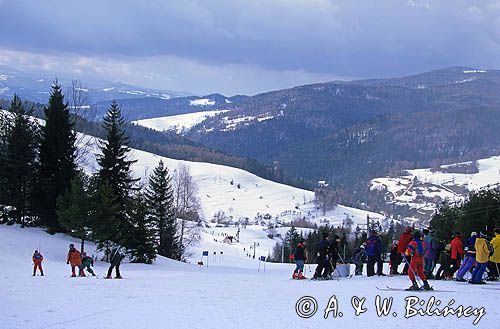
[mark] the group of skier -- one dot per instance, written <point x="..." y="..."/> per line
<point x="420" y="252"/>
<point x="81" y="261"/>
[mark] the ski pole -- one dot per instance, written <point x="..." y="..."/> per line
<point x="409" y="266"/>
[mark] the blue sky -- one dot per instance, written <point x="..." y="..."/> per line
<point x="246" y="47"/>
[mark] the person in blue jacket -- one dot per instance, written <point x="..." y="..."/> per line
<point x="374" y="252"/>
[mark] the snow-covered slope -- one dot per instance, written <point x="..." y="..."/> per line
<point x="179" y="123"/>
<point x="236" y="192"/>
<point x="230" y="293"/>
<point x="423" y="189"/>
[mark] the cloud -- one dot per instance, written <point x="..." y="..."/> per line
<point x="313" y="38"/>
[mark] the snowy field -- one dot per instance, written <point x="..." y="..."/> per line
<point x="229" y="293"/>
<point x="423" y="188"/>
<point x="181" y="123"/>
<point x="236" y="192"/>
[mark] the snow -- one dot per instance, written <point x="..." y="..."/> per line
<point x="2" y="90"/>
<point x="438" y="184"/>
<point x="230" y="293"/>
<point x="108" y="89"/>
<point x="181" y="123"/>
<point x="4" y="77"/>
<point x="201" y="102"/>
<point x="474" y="71"/>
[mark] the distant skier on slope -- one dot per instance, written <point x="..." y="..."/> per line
<point x="417" y="249"/>
<point x="87" y="262"/>
<point x="75" y="259"/>
<point x="37" y="262"/>
<point x="116" y="260"/>
<point x="300" y="257"/>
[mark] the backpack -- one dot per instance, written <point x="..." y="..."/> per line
<point x="490" y="248"/>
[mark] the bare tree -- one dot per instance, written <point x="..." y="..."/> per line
<point x="187" y="205"/>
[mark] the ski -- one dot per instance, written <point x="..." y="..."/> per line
<point x="490" y="288"/>
<point x="421" y="290"/>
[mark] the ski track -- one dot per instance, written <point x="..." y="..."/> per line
<point x="228" y="294"/>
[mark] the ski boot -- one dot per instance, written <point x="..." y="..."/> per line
<point x="414" y="286"/>
<point x="426" y="286"/>
<point x="459" y="279"/>
<point x="294" y="275"/>
<point x="300" y="276"/>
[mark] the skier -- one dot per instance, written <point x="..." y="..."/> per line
<point x="116" y="260"/>
<point x="74" y="258"/>
<point x="457" y="253"/>
<point x="300" y="256"/>
<point x="404" y="240"/>
<point x="333" y="256"/>
<point x="37" y="262"/>
<point x="470" y="257"/>
<point x="443" y="272"/>
<point x="495" y="258"/>
<point x="87" y="262"/>
<point x="394" y="258"/>
<point x="358" y="258"/>
<point x="374" y="251"/>
<point x="322" y="258"/>
<point x="416" y="249"/>
<point x="482" y="256"/>
<point x="431" y="254"/>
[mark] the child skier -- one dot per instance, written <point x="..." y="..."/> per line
<point x="37" y="262"/>
<point x="482" y="256"/>
<point x="300" y="256"/>
<point x="87" y="262"/>
<point x="74" y="258"/>
<point x="358" y="258"/>
<point x="417" y="249"/>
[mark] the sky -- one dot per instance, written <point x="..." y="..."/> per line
<point x="246" y="46"/>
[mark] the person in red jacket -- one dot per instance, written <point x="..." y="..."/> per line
<point x="37" y="262"/>
<point x="403" y="242"/>
<point x="417" y="249"/>
<point x="457" y="253"/>
<point x="75" y="259"/>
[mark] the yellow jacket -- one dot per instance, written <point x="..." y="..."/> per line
<point x="482" y="252"/>
<point x="496" y="245"/>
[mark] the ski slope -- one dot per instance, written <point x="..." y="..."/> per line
<point x="230" y="293"/>
<point x="181" y="123"/>
<point x="236" y="192"/>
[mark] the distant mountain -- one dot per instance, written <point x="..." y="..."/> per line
<point x="36" y="87"/>
<point x="349" y="132"/>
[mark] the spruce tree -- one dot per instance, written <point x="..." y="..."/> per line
<point x="3" y="158"/>
<point x="160" y="202"/>
<point x="74" y="209"/>
<point x="141" y="240"/>
<point x="57" y="158"/>
<point x="114" y="169"/>
<point x="20" y="159"/>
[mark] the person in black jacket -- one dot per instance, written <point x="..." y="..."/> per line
<point x="333" y="256"/>
<point x="116" y="259"/>
<point x="322" y="258"/>
<point x="300" y="257"/>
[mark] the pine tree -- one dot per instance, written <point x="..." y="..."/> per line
<point x="3" y="152"/>
<point x="20" y="159"/>
<point x="141" y="240"/>
<point x="292" y="238"/>
<point x="115" y="170"/>
<point x="57" y="158"/>
<point x="160" y="202"/>
<point x="74" y="209"/>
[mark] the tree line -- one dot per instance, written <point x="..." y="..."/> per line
<point x="42" y="185"/>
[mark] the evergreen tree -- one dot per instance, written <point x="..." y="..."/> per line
<point x="57" y="158"/>
<point x="160" y="202"/>
<point x="141" y="241"/>
<point x="3" y="158"/>
<point x="74" y="209"/>
<point x="105" y="221"/>
<point x="20" y="159"/>
<point x="115" y="170"/>
<point x="292" y="238"/>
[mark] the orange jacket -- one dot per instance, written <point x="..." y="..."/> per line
<point x="74" y="257"/>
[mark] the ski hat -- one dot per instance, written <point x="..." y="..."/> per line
<point x="483" y="234"/>
<point x="325" y="235"/>
<point x="473" y="234"/>
<point x="71" y="246"/>
<point x="417" y="235"/>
